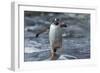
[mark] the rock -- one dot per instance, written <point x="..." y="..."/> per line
<point x="65" y="57"/>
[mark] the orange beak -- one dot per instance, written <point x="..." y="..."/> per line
<point x="63" y="25"/>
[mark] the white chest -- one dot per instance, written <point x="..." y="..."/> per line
<point x="55" y="33"/>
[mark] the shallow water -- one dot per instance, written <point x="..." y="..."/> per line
<point x="38" y="49"/>
<point x="76" y="42"/>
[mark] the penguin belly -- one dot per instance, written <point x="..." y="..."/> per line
<point x="55" y="36"/>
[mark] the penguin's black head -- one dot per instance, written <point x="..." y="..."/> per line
<point x="59" y="22"/>
<point x="56" y="21"/>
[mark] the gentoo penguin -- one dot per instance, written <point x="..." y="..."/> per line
<point x="55" y="36"/>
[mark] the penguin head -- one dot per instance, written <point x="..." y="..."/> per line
<point x="56" y="21"/>
<point x="59" y="22"/>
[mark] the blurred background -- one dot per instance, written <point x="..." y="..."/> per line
<point x="76" y="37"/>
